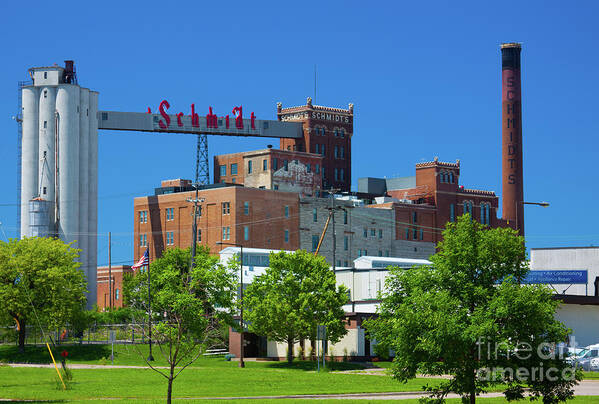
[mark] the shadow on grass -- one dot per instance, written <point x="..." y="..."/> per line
<point x="312" y="366"/>
<point x="39" y="353"/>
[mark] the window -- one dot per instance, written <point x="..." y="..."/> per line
<point x="226" y="208"/>
<point x="170" y="213"/>
<point x="345" y="264"/>
<point x="415" y="234"/>
<point x="380" y="233"/>
<point x="44" y="190"/>
<point x="336" y="172"/>
<point x="275" y="187"/>
<point x="421" y="234"/>
<point x="344" y="216"/>
<point x="116" y="294"/>
<point x="451" y="177"/>
<point x="223" y="170"/>
<point x="308" y="168"/>
<point x="485" y="213"/>
<point x="275" y="163"/>
<point x="322" y="150"/>
<point x="407" y="233"/>
<point x="338" y="263"/>
<point x="199" y="239"/>
<point x="341" y="175"/>
<point x="365" y="232"/>
<point x="45" y="124"/>
<point x="170" y="238"/>
<point x="234" y="169"/>
<point x="233" y="180"/>
<point x="264" y="165"/>
<point x="143" y="216"/>
<point x="246" y="208"/>
<point x="289" y="148"/>
<point x="342" y="133"/>
<point x="286" y="211"/>
<point x="246" y="233"/>
<point x="336" y="132"/>
<point x="468" y="208"/>
<point x="315" y="239"/>
<point x="226" y="233"/>
<point x="314" y="215"/>
<point x="143" y="240"/>
<point x="359" y="253"/>
<point x="452" y="213"/>
<point x="317" y="148"/>
<point x="249" y="166"/>
<point x="380" y="253"/>
<point x="341" y="152"/>
<point x="286" y="235"/>
<point x="45" y="75"/>
<point x="386" y="253"/>
<point x="345" y="243"/>
<point x="317" y="169"/>
<point x="286" y="165"/>
<point x="336" y="152"/>
<point x="373" y="232"/>
<point x="414" y="217"/>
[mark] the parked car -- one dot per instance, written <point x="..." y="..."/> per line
<point x="584" y="359"/>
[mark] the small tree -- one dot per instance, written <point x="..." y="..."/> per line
<point x="295" y="294"/>
<point x="468" y="316"/>
<point x="189" y="307"/>
<point x="40" y="276"/>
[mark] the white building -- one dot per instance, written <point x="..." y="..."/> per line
<point x="566" y="269"/>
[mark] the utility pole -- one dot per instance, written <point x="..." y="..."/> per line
<point x="332" y="192"/>
<point x="150" y="357"/>
<point x="109" y="273"/>
<point x="197" y="211"/>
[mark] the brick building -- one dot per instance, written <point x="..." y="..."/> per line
<point x="279" y="170"/>
<point x="251" y="217"/>
<point x="425" y="202"/>
<point x="103" y="295"/>
<point x="328" y="132"/>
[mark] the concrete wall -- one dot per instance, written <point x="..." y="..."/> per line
<point x="352" y="344"/>
<point x="358" y="219"/>
<point x="569" y="258"/>
<point x="583" y="320"/>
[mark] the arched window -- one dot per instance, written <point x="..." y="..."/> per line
<point x="468" y="208"/>
<point x="485" y="213"/>
<point x="451" y="177"/>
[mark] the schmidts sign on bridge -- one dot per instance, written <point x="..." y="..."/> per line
<point x="227" y="125"/>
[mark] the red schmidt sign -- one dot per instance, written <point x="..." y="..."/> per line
<point x="181" y="120"/>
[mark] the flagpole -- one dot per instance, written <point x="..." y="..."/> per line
<point x="150" y="357"/>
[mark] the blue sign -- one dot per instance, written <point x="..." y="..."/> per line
<point x="577" y="276"/>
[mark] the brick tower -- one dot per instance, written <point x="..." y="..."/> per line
<point x="511" y="133"/>
<point x="328" y="132"/>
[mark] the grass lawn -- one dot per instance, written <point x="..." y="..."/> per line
<point x="207" y="381"/>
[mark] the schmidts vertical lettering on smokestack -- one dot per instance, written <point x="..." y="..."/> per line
<point x="511" y="116"/>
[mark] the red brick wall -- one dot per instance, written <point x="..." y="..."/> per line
<point x="266" y="221"/>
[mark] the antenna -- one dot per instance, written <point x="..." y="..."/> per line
<point x="314" y="82"/>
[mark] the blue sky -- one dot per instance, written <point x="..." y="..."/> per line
<point x="424" y="78"/>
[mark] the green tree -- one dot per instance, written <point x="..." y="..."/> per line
<point x="468" y="316"/>
<point x="295" y="294"/>
<point x="189" y="307"/>
<point x="40" y="276"/>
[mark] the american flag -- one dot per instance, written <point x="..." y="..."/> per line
<point x="144" y="260"/>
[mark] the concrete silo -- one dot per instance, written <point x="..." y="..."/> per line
<point x="59" y="163"/>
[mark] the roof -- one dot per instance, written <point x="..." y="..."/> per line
<point x="394" y="260"/>
<point x="233" y="250"/>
